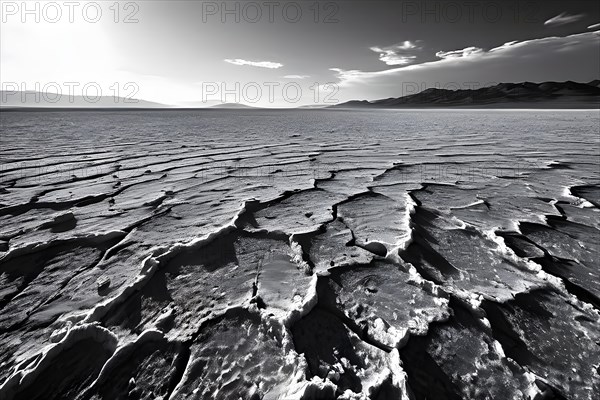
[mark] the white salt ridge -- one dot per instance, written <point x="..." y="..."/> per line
<point x="27" y="372"/>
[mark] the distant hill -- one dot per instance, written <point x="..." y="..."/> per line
<point x="314" y="106"/>
<point x="231" y="106"/>
<point x="32" y="99"/>
<point x="504" y="95"/>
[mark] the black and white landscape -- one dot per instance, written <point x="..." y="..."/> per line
<point x="422" y="222"/>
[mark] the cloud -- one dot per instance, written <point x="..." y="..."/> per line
<point x="574" y="57"/>
<point x="261" y="64"/>
<point x="595" y="26"/>
<point x="563" y="19"/>
<point x="397" y="54"/>
<point x="467" y="52"/>
<point x="390" y="58"/>
<point x="406" y="45"/>
<point x="296" y="76"/>
<point x="345" y="75"/>
<point x="505" y="45"/>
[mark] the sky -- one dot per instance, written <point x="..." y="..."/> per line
<point x="291" y="53"/>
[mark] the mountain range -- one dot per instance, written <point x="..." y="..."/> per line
<point x="504" y="95"/>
